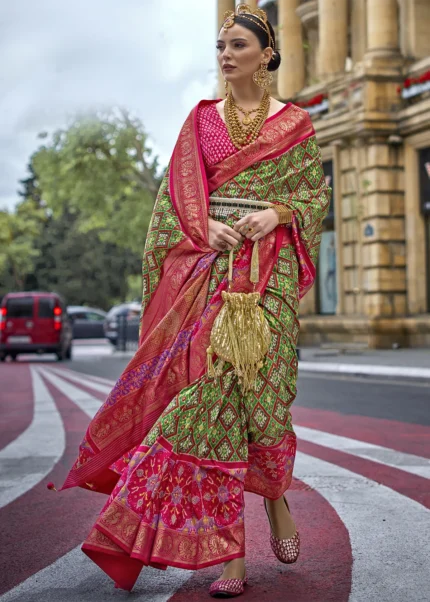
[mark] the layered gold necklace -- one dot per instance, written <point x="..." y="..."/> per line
<point x="245" y="131"/>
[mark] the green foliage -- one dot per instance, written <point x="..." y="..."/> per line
<point x="19" y="232"/>
<point x="101" y="167"/>
<point x="134" y="287"/>
<point x="86" y="205"/>
<point x="84" y="269"/>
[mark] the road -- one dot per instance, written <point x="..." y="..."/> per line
<point x="360" y="495"/>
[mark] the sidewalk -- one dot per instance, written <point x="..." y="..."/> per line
<point x="405" y="363"/>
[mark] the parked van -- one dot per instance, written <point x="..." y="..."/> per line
<point x="34" y="323"/>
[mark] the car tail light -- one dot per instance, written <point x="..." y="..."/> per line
<point x="3" y="313"/>
<point x="57" y="318"/>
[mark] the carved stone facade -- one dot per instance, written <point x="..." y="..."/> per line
<point x="362" y="69"/>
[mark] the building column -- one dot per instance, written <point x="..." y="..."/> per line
<point x="333" y="36"/>
<point x="420" y="27"/>
<point x="308" y="14"/>
<point x="358" y="30"/>
<point x="382" y="28"/>
<point x="415" y="228"/>
<point x="222" y="7"/>
<point x="291" y="75"/>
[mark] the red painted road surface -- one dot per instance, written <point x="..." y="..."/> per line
<point x="40" y="526"/>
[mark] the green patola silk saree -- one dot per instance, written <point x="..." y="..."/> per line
<point x="174" y="448"/>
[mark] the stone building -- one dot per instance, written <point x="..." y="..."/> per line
<point x="362" y="70"/>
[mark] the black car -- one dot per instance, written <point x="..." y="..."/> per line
<point x="116" y="315"/>
<point x="87" y="322"/>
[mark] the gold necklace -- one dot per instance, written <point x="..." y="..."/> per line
<point x="247" y="119"/>
<point x="242" y="134"/>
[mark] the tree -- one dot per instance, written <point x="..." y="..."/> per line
<point x="30" y="187"/>
<point x="79" y="266"/>
<point x="86" y="205"/>
<point x="19" y="232"/>
<point x="101" y="167"/>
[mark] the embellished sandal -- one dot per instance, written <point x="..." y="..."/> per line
<point x="285" y="550"/>
<point x="227" y="588"/>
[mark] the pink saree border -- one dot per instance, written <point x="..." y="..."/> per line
<point x="163" y="547"/>
<point x="188" y="185"/>
<point x="306" y="267"/>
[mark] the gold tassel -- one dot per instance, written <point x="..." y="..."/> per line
<point x="240" y="333"/>
<point x="230" y="267"/>
<point x="255" y="264"/>
<point x="210" y="365"/>
<point x="220" y="367"/>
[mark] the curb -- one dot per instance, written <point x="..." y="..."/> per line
<point x="402" y="371"/>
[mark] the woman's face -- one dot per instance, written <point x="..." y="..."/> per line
<point x="240" y="54"/>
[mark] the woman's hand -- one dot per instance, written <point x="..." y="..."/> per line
<point x="258" y="224"/>
<point x="222" y="237"/>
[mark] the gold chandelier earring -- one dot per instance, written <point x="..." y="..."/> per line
<point x="226" y="87"/>
<point x="262" y="77"/>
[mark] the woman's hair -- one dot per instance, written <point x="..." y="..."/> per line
<point x="256" y="26"/>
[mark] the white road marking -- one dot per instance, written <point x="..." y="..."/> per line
<point x="389" y="532"/>
<point x="383" y="455"/>
<point x="86" y="402"/>
<point x="339" y="368"/>
<point x="92" y="351"/>
<point x="31" y="456"/>
<point x="75" y="578"/>
<point x="81" y="378"/>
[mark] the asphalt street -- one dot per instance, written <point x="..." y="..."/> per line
<point x="360" y="495"/>
<point x="376" y="397"/>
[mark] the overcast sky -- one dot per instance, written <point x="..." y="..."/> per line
<point x="156" y="57"/>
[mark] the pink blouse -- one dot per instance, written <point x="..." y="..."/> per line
<point x="215" y="142"/>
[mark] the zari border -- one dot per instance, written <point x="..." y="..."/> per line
<point x="188" y="185"/>
<point x="122" y="530"/>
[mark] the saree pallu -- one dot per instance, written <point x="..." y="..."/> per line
<point x="174" y="449"/>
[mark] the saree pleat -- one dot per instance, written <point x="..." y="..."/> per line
<point x="175" y="449"/>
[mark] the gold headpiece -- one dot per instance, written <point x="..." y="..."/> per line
<point x="245" y="11"/>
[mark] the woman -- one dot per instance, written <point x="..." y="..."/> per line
<point x="184" y="432"/>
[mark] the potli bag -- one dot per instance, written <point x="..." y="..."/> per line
<point x="240" y="333"/>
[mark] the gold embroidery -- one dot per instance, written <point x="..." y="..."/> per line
<point x="168" y="546"/>
<point x="191" y="193"/>
<point x="100" y="540"/>
<point x="121" y="522"/>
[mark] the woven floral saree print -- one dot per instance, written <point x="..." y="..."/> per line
<point x="174" y="448"/>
